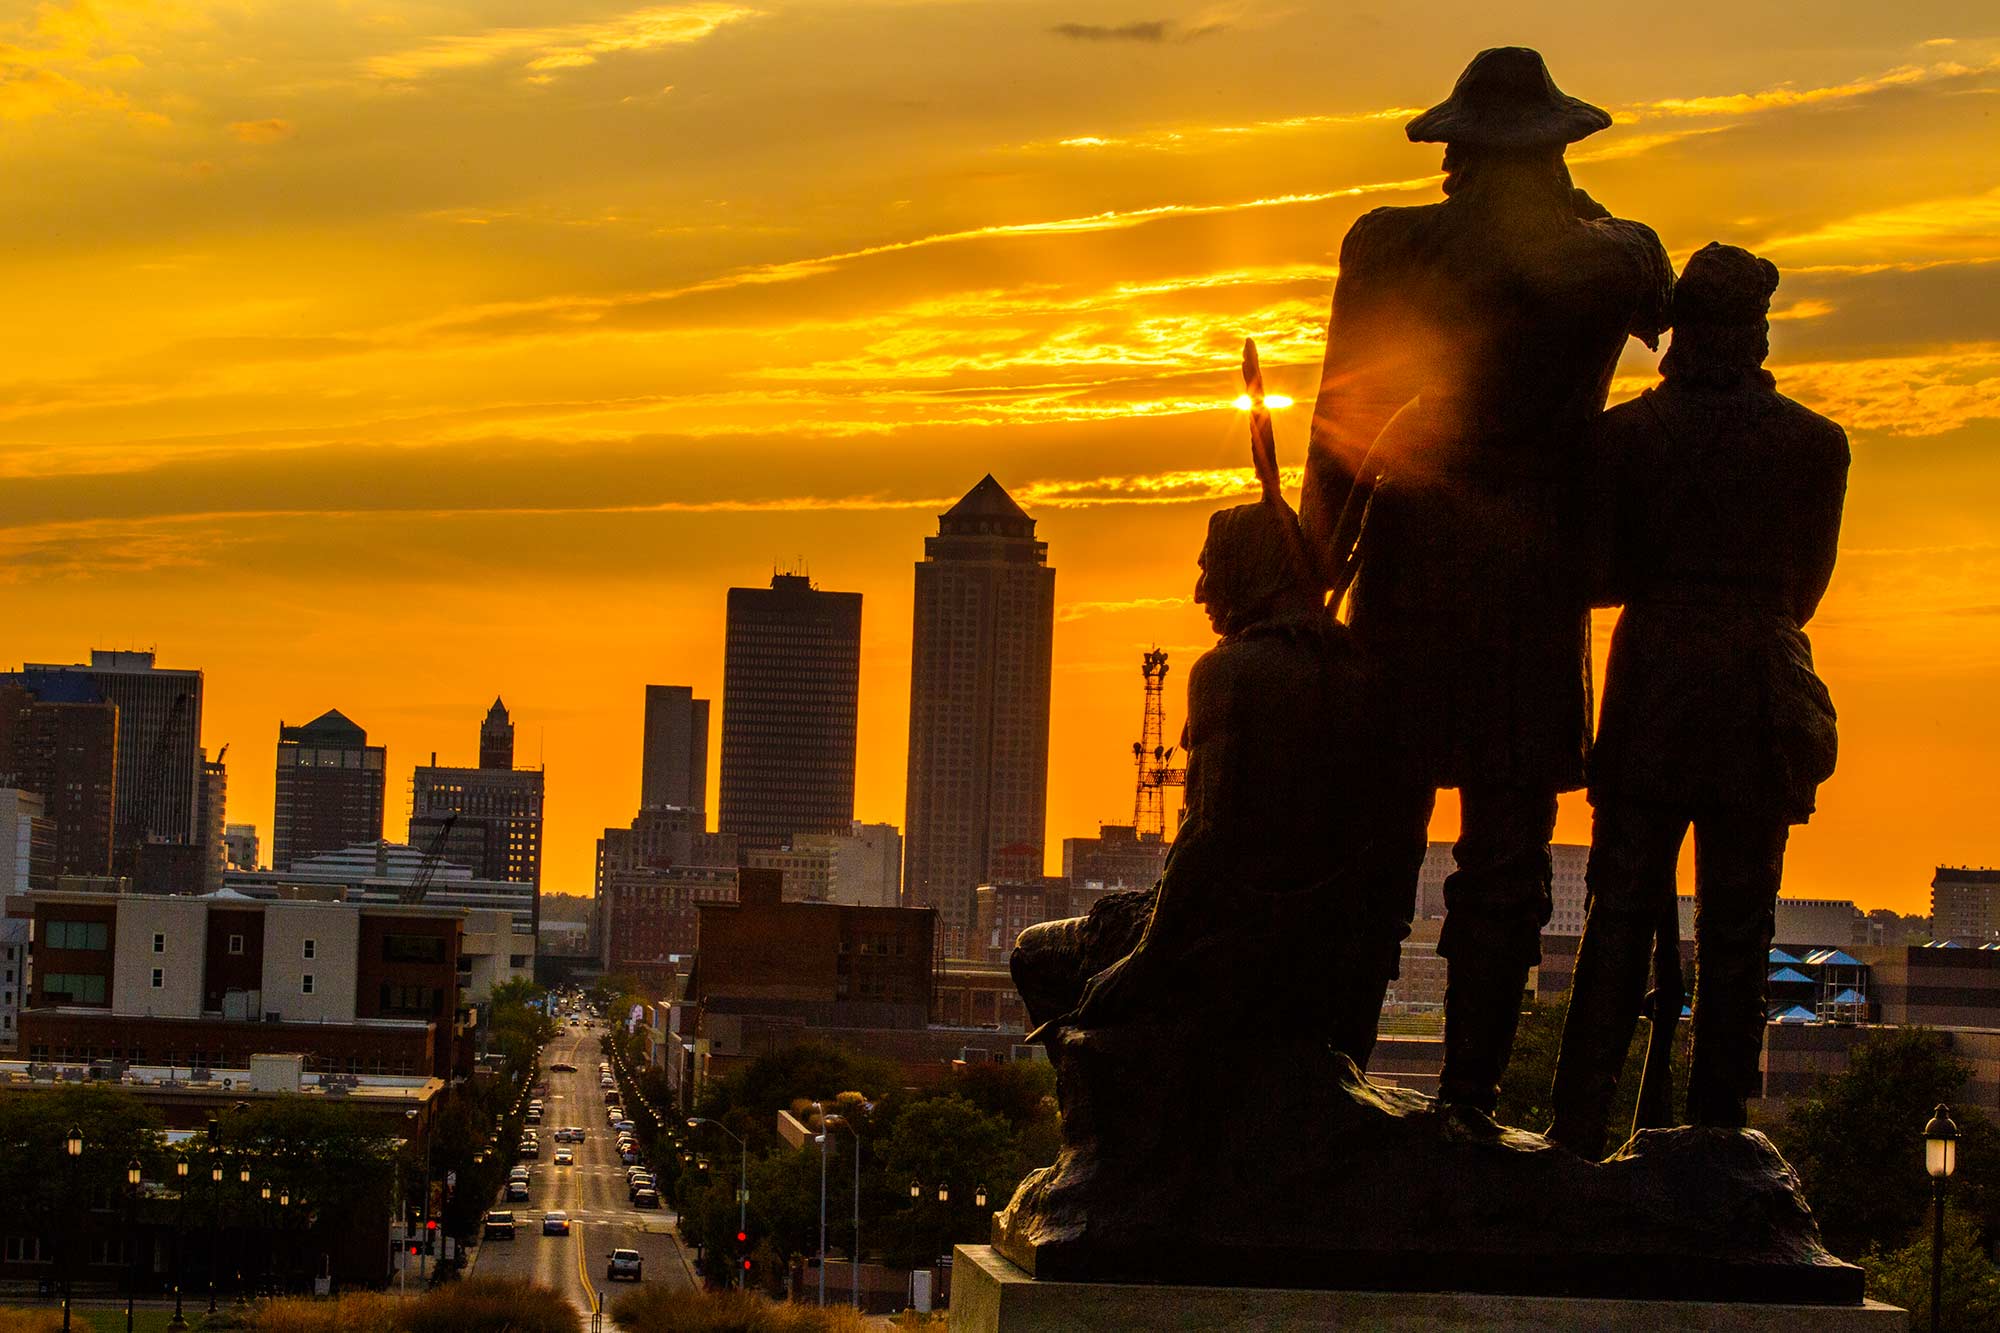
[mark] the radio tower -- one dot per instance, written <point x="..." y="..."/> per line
<point x="1155" y="760"/>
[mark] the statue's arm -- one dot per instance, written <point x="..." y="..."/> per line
<point x="1822" y="517"/>
<point x="1368" y="373"/>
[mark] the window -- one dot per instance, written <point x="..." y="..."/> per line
<point x="311" y="948"/>
<point x="306" y="984"/>
<point x="159" y="942"/>
<point x="25" y="1250"/>
<point x="236" y="944"/>
<point x="159" y="978"/>
<point x="78" y="935"/>
<point x="75" y="987"/>
<point x="413" y="948"/>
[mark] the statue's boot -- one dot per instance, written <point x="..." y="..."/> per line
<point x="1728" y="1034"/>
<point x="1604" y="1004"/>
<point x="1482" y="1007"/>
<point x="1357" y="1013"/>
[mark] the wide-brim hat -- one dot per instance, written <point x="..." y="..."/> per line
<point x="1506" y="99"/>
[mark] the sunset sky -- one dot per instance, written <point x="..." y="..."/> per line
<point x="388" y="356"/>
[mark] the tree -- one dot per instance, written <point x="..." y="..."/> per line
<point x="945" y="1141"/>
<point x="748" y="1100"/>
<point x="1857" y="1143"/>
<point x="1971" y="1281"/>
<point x="1531" y="1072"/>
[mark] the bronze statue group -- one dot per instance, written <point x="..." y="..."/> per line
<point x="1423" y="623"/>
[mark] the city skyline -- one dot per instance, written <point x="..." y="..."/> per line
<point x="405" y="358"/>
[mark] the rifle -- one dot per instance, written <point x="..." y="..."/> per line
<point x="1655" y="1109"/>
<point x="1264" y="457"/>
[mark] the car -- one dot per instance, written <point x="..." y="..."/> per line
<point x="564" y="1157"/>
<point x="520" y="1173"/>
<point x="517" y="1191"/>
<point x="534" y="1117"/>
<point x="530" y="1148"/>
<point x="576" y="1133"/>
<point x="623" y="1264"/>
<point x="562" y="1069"/>
<point x="623" y="1124"/>
<point x="642" y="1183"/>
<point x="606" y="1083"/>
<point x="498" y="1226"/>
<point x="555" y="1223"/>
<point x="646" y="1198"/>
<point x="629" y="1157"/>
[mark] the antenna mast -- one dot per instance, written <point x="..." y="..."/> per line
<point x="1153" y="758"/>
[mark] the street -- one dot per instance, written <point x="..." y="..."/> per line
<point x="592" y="1192"/>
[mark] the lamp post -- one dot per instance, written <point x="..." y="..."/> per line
<point x="72" y="1150"/>
<point x="1940" y="1160"/>
<point x="243" y="1179"/>
<point x="215" y="1220"/>
<point x="821" y="1138"/>
<point x="179" y="1321"/>
<point x="264" y="1190"/>
<point x="742" y="1188"/>
<point x="284" y="1231"/>
<point x="133" y="1172"/>
<point x="854" y="1268"/>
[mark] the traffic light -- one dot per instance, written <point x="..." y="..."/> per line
<point x="746" y="1265"/>
<point x="742" y="1237"/>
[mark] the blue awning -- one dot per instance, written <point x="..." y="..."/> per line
<point x="1832" y="958"/>
<point x="1780" y="956"/>
<point x="1796" y="1013"/>
<point x="1790" y="976"/>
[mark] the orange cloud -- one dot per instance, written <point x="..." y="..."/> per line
<point x="262" y="131"/>
<point x="562" y="46"/>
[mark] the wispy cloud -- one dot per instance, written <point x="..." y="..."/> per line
<point x="62" y="60"/>
<point x="1785" y="95"/>
<point x="1085" y="610"/>
<point x="544" y="50"/>
<point x="262" y="131"/>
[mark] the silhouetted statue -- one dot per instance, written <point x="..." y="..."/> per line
<point x="1471" y="344"/>
<point x="1254" y="918"/>
<point x="1720" y="502"/>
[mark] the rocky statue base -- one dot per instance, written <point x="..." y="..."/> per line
<point x="990" y="1295"/>
<point x="1276" y="1164"/>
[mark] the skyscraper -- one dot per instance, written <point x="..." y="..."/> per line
<point x="490" y="817"/>
<point x="674" y="766"/>
<point x="159" y="743"/>
<point x="496" y="738"/>
<point x="331" y="785"/>
<point x="791" y="686"/>
<point x="60" y="741"/>
<point x="979" y="708"/>
<point x="211" y="816"/>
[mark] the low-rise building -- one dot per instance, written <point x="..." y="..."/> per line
<point x="204" y="981"/>
<point x="1965" y="905"/>
<point x="27" y="842"/>
<point x="1119" y="857"/>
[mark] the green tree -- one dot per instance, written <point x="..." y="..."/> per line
<point x="1857" y="1143"/>
<point x="945" y="1141"/>
<point x="748" y="1100"/>
<point x="1531" y="1072"/>
<point x="1971" y="1281"/>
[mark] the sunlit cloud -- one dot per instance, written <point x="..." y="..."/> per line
<point x="562" y="46"/>
<point x="262" y="131"/>
<point x="62" y="60"/>
<point x="1785" y="96"/>
<point x="1930" y="225"/>
<point x="1085" y="610"/>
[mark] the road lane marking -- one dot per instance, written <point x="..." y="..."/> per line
<point x="582" y="1273"/>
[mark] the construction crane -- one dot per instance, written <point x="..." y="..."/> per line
<point x="1153" y="758"/>
<point x="419" y="886"/>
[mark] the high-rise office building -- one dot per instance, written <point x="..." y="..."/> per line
<point x="159" y="744"/>
<point x="496" y="738"/>
<point x="490" y="817"/>
<point x="60" y="741"/>
<point x="27" y="844"/>
<point x="211" y="816"/>
<point x="331" y="785"/>
<point x="674" y="765"/>
<point x="791" y="688"/>
<point x="979" y="708"/>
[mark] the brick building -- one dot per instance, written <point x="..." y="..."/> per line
<point x="330" y="788"/>
<point x="211" y="980"/>
<point x="60" y="741"/>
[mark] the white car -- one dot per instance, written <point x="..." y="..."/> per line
<point x="564" y="1157"/>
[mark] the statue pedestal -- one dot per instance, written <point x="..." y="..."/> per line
<point x="991" y="1295"/>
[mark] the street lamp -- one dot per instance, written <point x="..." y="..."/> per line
<point x="944" y="1192"/>
<point x="821" y="1139"/>
<point x="215" y="1217"/>
<point x="179" y="1321"/>
<point x="854" y="1268"/>
<point x="742" y="1188"/>
<point x="133" y="1171"/>
<point x="72" y="1150"/>
<point x="1940" y="1159"/>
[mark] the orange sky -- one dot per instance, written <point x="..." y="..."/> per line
<point x="386" y="356"/>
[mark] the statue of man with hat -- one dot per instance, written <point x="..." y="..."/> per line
<point x="1472" y="342"/>
<point x="1715" y="506"/>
